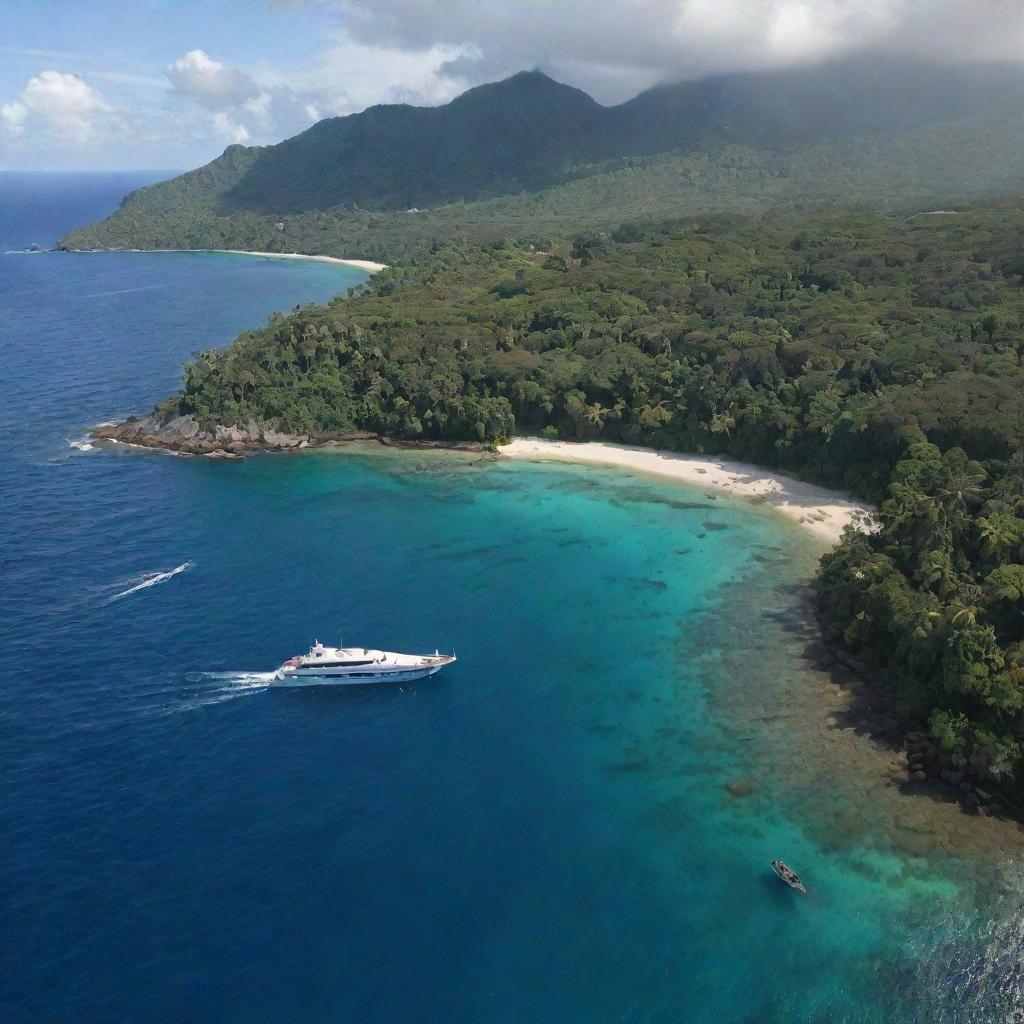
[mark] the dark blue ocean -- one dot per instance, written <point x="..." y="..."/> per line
<point x="572" y="824"/>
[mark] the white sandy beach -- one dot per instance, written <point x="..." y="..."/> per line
<point x="825" y="513"/>
<point x="367" y="265"/>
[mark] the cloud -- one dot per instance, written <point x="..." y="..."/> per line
<point x="265" y="105"/>
<point x="13" y="116"/>
<point x="615" y="49"/>
<point x="59" y="107"/>
<point x="215" y="86"/>
<point x="230" y="129"/>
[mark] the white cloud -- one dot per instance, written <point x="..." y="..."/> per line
<point x="231" y="130"/>
<point x="356" y="75"/>
<point x="59" y="107"/>
<point x="615" y="49"/>
<point x="13" y="116"/>
<point x="264" y="105"/>
<point x="214" y="85"/>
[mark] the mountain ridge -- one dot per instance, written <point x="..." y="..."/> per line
<point x="528" y="131"/>
<point x="727" y="142"/>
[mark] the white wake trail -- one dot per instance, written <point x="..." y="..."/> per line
<point x="239" y="678"/>
<point x="152" y="579"/>
<point x="222" y="686"/>
<point x="125" y="291"/>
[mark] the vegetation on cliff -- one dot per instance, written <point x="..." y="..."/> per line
<point x="880" y="354"/>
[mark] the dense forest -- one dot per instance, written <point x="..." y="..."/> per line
<point x="532" y="159"/>
<point x="877" y="353"/>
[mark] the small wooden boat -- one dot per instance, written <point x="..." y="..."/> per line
<point x="789" y="876"/>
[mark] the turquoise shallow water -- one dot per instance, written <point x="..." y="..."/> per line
<point x="544" y="832"/>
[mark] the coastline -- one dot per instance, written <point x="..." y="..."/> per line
<point x="900" y="753"/>
<point x="368" y="265"/>
<point x="821" y="511"/>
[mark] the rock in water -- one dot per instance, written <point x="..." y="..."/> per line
<point x="741" y="787"/>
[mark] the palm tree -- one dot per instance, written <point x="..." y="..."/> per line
<point x="965" y="614"/>
<point x="653" y="416"/>
<point x="595" y="415"/>
<point x="938" y="569"/>
<point x="1000" y="532"/>
<point x="1006" y="583"/>
<point x="722" y="423"/>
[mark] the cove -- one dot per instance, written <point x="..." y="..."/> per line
<point x="573" y="823"/>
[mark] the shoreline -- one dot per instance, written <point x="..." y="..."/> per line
<point x="824" y="512"/>
<point x="368" y="265"/>
<point x="820" y="511"/>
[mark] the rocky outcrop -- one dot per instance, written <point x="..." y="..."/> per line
<point x="185" y="436"/>
<point x="927" y="762"/>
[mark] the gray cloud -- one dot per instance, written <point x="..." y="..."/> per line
<point x="618" y="47"/>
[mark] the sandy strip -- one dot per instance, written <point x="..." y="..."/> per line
<point x="823" y="512"/>
<point x="367" y="265"/>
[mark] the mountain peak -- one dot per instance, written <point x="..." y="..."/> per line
<point x="524" y="83"/>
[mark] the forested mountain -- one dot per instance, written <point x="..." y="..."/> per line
<point x="528" y="152"/>
<point x="882" y="354"/>
<point x="530" y="132"/>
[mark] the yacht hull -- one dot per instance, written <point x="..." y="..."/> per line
<point x="327" y="677"/>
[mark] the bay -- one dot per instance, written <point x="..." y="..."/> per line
<point x="573" y="823"/>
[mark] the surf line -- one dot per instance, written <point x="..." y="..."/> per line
<point x="153" y="579"/>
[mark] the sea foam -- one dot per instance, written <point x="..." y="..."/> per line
<point x="152" y="579"/>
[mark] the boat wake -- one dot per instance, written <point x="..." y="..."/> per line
<point x="218" y="687"/>
<point x="151" y="579"/>
<point x="255" y="679"/>
<point x="125" y="291"/>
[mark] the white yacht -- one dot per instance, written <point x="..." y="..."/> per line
<point x="355" y="666"/>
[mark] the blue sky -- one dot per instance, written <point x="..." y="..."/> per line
<point x="170" y="83"/>
<point x="167" y="84"/>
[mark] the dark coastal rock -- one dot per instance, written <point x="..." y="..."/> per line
<point x="456" y="446"/>
<point x="186" y="436"/>
<point x="951" y="777"/>
<point x="844" y="657"/>
<point x="181" y="428"/>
